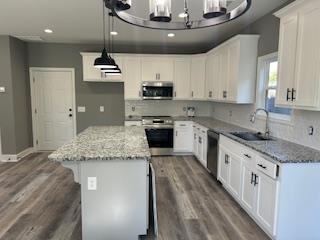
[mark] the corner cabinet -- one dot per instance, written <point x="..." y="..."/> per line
<point x="231" y="70"/>
<point x="299" y="51"/>
<point x="92" y="74"/>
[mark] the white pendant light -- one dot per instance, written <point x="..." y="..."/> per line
<point x="160" y="10"/>
<point x="214" y="8"/>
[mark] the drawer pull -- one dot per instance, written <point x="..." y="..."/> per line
<point x="247" y="155"/>
<point x="182" y="125"/>
<point x="260" y="165"/>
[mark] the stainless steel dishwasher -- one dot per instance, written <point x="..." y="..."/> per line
<point x="212" y="155"/>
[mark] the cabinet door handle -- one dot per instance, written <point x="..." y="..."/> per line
<point x="288" y="94"/>
<point x="293" y="94"/>
<point x="176" y="133"/>
<point x="260" y="165"/>
<point x="252" y="178"/>
<point x="192" y="94"/>
<point x="139" y="93"/>
<point x="247" y="155"/>
<point x="224" y="93"/>
<point x="256" y="178"/>
<point x="182" y="125"/>
<point x="175" y="94"/>
<point x="226" y="159"/>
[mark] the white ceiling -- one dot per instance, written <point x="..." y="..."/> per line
<point x="79" y="21"/>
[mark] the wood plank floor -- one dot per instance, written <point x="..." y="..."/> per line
<point x="193" y="206"/>
<point x="40" y="201"/>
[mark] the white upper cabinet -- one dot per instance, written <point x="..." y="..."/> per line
<point x="299" y="61"/>
<point x="132" y="77"/>
<point x="212" y="76"/>
<point x="287" y="57"/>
<point x="157" y="68"/>
<point x="232" y="67"/>
<point x="182" y="67"/>
<point x="92" y="74"/>
<point x="198" y="77"/>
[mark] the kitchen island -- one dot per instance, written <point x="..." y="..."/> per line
<point x="112" y="166"/>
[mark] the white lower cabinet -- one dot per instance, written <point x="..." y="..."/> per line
<point x="230" y="171"/>
<point x="266" y="188"/>
<point x="183" y="139"/>
<point x="248" y="193"/>
<point x="249" y="182"/>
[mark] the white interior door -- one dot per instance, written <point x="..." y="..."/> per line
<point x="53" y="107"/>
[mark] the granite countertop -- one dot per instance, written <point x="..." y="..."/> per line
<point x="278" y="150"/>
<point x="105" y="143"/>
<point x="133" y="118"/>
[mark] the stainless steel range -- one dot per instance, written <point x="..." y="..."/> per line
<point x="159" y="131"/>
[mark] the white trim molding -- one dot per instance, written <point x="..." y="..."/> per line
<point x="16" y="157"/>
<point x="34" y="100"/>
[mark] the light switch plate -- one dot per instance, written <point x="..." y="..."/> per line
<point x="92" y="183"/>
<point x="101" y="108"/>
<point x="81" y="109"/>
<point x="2" y="89"/>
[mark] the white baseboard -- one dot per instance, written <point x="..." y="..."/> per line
<point x="17" y="157"/>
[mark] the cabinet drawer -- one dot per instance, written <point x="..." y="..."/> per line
<point x="267" y="167"/>
<point x="182" y="124"/>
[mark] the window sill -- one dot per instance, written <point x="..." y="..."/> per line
<point x="277" y="118"/>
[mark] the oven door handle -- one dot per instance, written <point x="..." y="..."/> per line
<point x="158" y="127"/>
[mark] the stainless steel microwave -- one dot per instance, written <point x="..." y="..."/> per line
<point x="157" y="90"/>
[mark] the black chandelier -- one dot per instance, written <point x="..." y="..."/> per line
<point x="215" y="12"/>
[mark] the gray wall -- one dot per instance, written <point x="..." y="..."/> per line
<point x="21" y="94"/>
<point x="88" y="94"/>
<point x="15" y="118"/>
<point x="6" y="99"/>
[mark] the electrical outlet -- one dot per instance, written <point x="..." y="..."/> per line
<point x="92" y="183"/>
<point x="101" y="108"/>
<point x="230" y="113"/>
<point x="81" y="109"/>
<point x="133" y="109"/>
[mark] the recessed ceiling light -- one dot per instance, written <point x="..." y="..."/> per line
<point x="183" y="15"/>
<point x="171" y="35"/>
<point x="48" y="30"/>
<point x="114" y="33"/>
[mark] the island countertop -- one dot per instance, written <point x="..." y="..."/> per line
<point x="105" y="143"/>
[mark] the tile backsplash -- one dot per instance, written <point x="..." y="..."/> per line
<point x="297" y="130"/>
<point x="166" y="108"/>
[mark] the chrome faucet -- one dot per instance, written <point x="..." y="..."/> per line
<point x="253" y="118"/>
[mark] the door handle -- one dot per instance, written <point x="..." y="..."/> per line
<point x="288" y="94"/>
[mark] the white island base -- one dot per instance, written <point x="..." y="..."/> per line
<point x="118" y="208"/>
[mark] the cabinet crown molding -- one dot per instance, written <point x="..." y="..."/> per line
<point x="292" y="7"/>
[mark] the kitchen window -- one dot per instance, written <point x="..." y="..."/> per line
<point x="267" y="87"/>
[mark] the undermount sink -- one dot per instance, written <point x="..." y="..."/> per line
<point x="250" y="136"/>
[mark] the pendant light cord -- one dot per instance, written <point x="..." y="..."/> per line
<point x="104" y="24"/>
